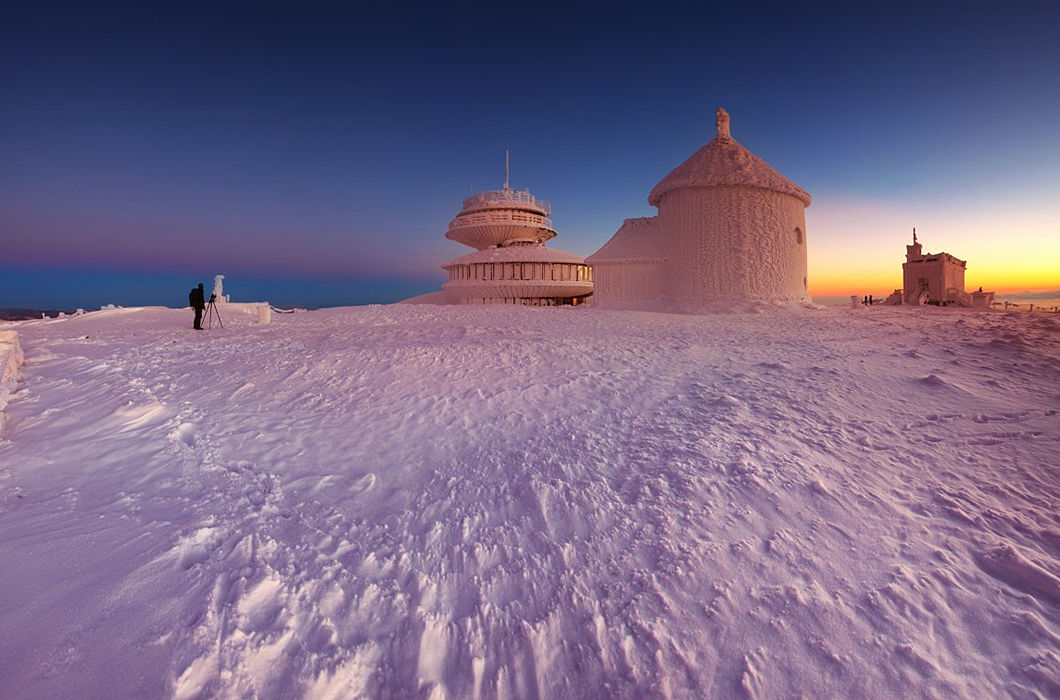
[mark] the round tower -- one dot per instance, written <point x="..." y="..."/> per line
<point x="509" y="227"/>
<point x="735" y="227"/>
<point x="729" y="227"/>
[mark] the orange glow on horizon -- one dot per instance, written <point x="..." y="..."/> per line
<point x="858" y="247"/>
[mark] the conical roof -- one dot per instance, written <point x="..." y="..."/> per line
<point x="635" y="241"/>
<point x="725" y="162"/>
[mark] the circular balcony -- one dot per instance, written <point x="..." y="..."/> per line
<point x="506" y="199"/>
<point x="486" y="229"/>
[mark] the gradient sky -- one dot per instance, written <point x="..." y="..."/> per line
<point x="315" y="153"/>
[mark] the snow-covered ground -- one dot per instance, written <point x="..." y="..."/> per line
<point x="422" y="501"/>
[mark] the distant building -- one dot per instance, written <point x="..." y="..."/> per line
<point x="511" y="265"/>
<point x="729" y="227"/>
<point x="936" y="278"/>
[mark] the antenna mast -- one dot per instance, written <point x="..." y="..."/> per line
<point x="505" y="168"/>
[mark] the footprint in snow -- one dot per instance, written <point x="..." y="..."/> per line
<point x="196" y="548"/>
<point x="184" y="433"/>
<point x="363" y="484"/>
<point x="1008" y="565"/>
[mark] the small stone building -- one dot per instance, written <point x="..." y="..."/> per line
<point x="729" y="227"/>
<point x="930" y="278"/>
<point x="937" y="278"/>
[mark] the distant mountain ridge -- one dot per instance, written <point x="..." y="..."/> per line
<point x="23" y="314"/>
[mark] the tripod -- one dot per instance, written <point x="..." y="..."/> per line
<point x="212" y="313"/>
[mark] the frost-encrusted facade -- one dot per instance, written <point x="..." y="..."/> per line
<point x="936" y="278"/>
<point x="928" y="278"/>
<point x="729" y="227"/>
<point x="509" y="228"/>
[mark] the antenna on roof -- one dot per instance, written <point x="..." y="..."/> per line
<point x="914" y="235"/>
<point x="505" y="168"/>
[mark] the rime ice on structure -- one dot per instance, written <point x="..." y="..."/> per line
<point x="936" y="278"/>
<point x="218" y="288"/>
<point x="508" y="228"/>
<point x="729" y="227"/>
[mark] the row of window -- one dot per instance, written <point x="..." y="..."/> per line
<point x="531" y="301"/>
<point x="560" y="272"/>
<point x="499" y="217"/>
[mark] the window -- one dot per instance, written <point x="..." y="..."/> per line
<point x="798" y="236"/>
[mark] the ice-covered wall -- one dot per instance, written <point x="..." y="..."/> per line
<point x="10" y="365"/>
<point x="734" y="242"/>
<point x="631" y="267"/>
<point x="617" y="283"/>
<point x="934" y="273"/>
<point x="729" y="227"/>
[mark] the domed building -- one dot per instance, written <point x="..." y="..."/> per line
<point x="511" y="265"/>
<point x="729" y="227"/>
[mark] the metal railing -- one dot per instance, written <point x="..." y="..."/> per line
<point x="502" y="197"/>
<point x="500" y="217"/>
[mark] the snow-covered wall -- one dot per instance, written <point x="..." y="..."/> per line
<point x="935" y="273"/>
<point x="631" y="266"/>
<point x="729" y="227"/>
<point x="734" y="242"/>
<point x="10" y="365"/>
<point x="617" y="283"/>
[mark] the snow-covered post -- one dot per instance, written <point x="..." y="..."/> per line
<point x="10" y="365"/>
<point x="853" y="301"/>
<point x="218" y="288"/>
<point x="264" y="313"/>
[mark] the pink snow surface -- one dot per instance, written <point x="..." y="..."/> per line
<point x="415" y="501"/>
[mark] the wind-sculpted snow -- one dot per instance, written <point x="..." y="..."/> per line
<point x="414" y="501"/>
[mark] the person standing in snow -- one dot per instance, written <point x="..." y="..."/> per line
<point x="197" y="301"/>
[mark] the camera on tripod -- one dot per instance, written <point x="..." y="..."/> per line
<point x="212" y="313"/>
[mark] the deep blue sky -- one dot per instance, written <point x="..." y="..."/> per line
<point x="335" y="141"/>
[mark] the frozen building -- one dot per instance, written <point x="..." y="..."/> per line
<point x="511" y="265"/>
<point x="729" y="227"/>
<point x="936" y="278"/>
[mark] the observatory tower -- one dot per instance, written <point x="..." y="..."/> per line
<point x="511" y="265"/>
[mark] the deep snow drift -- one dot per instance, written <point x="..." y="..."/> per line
<point x="513" y="502"/>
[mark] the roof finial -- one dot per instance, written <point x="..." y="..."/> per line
<point x="505" y="168"/>
<point x="914" y="235"/>
<point x="721" y="120"/>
